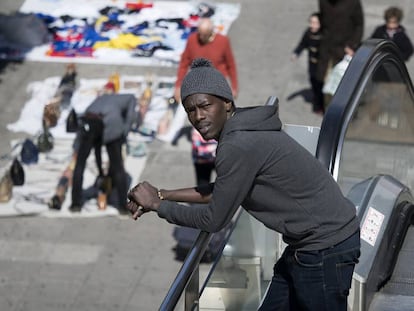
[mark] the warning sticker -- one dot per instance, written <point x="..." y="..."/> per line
<point x="371" y="226"/>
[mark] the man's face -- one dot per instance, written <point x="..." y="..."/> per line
<point x="204" y="35"/>
<point x="207" y="113"/>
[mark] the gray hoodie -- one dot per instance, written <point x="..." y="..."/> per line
<point x="274" y="179"/>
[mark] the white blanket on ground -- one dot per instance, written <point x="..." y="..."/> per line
<point x="41" y="92"/>
<point x="42" y="178"/>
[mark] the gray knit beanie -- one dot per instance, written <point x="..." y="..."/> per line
<point x="203" y="78"/>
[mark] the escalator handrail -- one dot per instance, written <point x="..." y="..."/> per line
<point x="366" y="59"/>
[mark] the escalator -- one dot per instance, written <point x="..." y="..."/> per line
<point x="366" y="141"/>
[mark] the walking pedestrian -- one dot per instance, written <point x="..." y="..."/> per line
<point x="310" y="41"/>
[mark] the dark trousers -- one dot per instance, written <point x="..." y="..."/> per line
<point x="117" y="171"/>
<point x="313" y="280"/>
<point x="318" y="98"/>
<point x="91" y="137"/>
<point x="203" y="172"/>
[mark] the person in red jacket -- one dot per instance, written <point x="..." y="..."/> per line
<point x="207" y="43"/>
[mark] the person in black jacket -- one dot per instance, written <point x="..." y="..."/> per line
<point x="393" y="30"/>
<point x="277" y="181"/>
<point x="311" y="40"/>
<point x="342" y="24"/>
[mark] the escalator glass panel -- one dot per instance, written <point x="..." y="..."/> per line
<point x="380" y="135"/>
<point x="244" y="270"/>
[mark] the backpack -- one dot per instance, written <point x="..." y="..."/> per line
<point x="72" y="122"/>
<point x="45" y="141"/>
<point x="202" y="151"/>
<point x="51" y="112"/>
<point x="17" y="173"/>
<point x="186" y="236"/>
<point x="6" y="188"/>
<point x="29" y="153"/>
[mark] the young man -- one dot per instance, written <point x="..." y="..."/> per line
<point x="274" y="179"/>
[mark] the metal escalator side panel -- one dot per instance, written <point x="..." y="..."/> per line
<point x="402" y="278"/>
<point x="383" y="221"/>
<point x="398" y="292"/>
<point x="386" y="302"/>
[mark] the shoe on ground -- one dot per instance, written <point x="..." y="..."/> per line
<point x="75" y="208"/>
<point x="319" y="112"/>
<point x="123" y="211"/>
<point x="55" y="203"/>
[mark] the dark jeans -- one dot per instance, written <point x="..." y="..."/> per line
<point x="203" y="172"/>
<point x="318" y="98"/>
<point x="91" y="137"/>
<point x="313" y="280"/>
<point x="117" y="171"/>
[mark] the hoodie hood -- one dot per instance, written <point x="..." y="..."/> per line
<point x="260" y="118"/>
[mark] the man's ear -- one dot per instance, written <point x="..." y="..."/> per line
<point x="229" y="106"/>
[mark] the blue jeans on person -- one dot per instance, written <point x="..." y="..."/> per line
<point x="313" y="280"/>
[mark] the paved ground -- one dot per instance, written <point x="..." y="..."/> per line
<point x="118" y="264"/>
